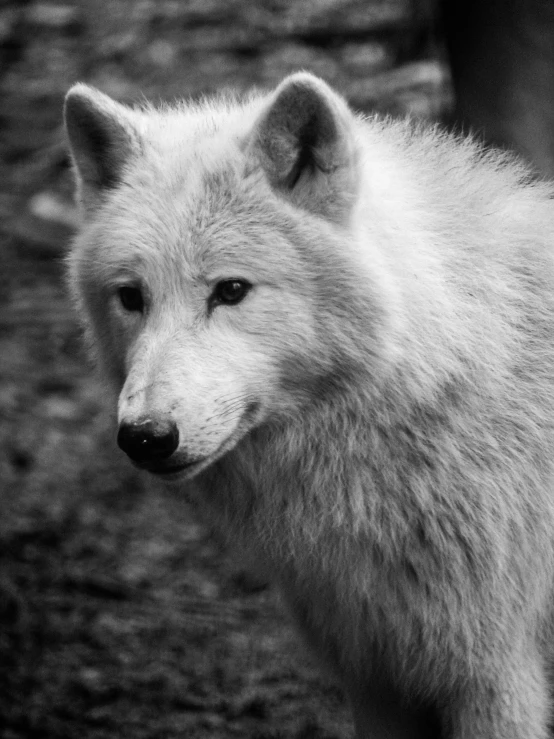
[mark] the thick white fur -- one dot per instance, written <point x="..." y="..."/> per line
<point x="377" y="415"/>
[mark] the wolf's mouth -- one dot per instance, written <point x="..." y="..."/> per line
<point x="173" y="470"/>
<point x="167" y="470"/>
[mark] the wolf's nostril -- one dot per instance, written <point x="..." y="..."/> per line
<point x="148" y="441"/>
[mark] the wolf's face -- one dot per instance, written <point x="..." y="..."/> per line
<point x="198" y="268"/>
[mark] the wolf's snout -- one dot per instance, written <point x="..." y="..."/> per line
<point x="148" y="441"/>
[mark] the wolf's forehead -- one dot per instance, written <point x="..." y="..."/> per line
<point x="193" y="213"/>
<point x="181" y="168"/>
<point x="193" y="190"/>
<point x="207" y="229"/>
<point x="190" y="195"/>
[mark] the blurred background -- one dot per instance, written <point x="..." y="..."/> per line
<point x="121" y="615"/>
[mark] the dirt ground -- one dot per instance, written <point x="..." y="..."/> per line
<point x="120" y="615"/>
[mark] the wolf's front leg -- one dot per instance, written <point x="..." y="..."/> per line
<point x="515" y="705"/>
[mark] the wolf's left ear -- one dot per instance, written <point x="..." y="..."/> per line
<point x="102" y="139"/>
<point x="305" y="142"/>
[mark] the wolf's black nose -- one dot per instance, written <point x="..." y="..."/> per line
<point x="148" y="441"/>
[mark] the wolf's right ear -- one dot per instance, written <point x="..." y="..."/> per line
<point x="305" y="141"/>
<point x="102" y="138"/>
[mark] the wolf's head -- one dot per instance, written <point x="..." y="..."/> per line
<point x="210" y="267"/>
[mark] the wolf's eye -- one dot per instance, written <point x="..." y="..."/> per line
<point x="131" y="298"/>
<point x="230" y="292"/>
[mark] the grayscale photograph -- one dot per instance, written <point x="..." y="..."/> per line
<point x="277" y="369"/>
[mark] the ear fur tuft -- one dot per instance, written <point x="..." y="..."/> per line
<point x="305" y="143"/>
<point x="102" y="138"/>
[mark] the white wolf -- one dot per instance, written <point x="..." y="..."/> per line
<point x="343" y="330"/>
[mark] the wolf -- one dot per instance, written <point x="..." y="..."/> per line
<point x="335" y="334"/>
